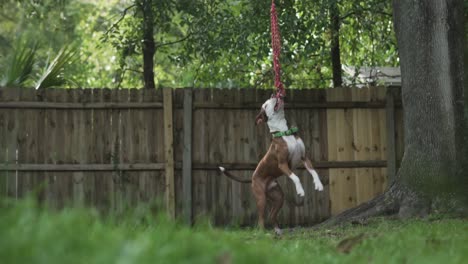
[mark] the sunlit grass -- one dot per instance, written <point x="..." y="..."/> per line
<point x="29" y="234"/>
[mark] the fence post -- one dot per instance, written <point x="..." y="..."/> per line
<point x="169" y="151"/>
<point x="187" y="156"/>
<point x="391" y="152"/>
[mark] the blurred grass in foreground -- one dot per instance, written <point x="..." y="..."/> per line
<point x="29" y="234"/>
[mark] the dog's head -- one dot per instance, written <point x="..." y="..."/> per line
<point x="267" y="111"/>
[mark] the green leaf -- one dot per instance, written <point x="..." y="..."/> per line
<point x="53" y="75"/>
<point x="20" y="65"/>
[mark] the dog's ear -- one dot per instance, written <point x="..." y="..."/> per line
<point x="261" y="117"/>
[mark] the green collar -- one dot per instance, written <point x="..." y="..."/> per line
<point x="289" y="132"/>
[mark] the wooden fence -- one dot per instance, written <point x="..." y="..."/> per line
<point x="112" y="149"/>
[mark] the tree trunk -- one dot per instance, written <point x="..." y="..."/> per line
<point x="430" y="41"/>
<point x="148" y="43"/>
<point x="335" y="43"/>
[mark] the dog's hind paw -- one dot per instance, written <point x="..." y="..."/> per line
<point x="278" y="231"/>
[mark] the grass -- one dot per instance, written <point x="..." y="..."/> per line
<point x="29" y="234"/>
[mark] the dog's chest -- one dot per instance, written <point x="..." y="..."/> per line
<point x="296" y="150"/>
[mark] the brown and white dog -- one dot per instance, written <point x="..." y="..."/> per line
<point x="286" y="152"/>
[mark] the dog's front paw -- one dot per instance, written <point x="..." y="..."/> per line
<point x="300" y="192"/>
<point x="318" y="186"/>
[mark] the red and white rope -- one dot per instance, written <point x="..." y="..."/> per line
<point x="276" y="46"/>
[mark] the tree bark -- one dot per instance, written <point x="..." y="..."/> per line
<point x="335" y="43"/>
<point x="149" y="47"/>
<point x="430" y="41"/>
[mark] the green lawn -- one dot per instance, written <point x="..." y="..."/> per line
<point x="32" y="235"/>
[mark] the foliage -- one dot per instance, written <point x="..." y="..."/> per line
<point x="53" y="75"/>
<point x="31" y="234"/>
<point x="25" y="52"/>
<point x="200" y="43"/>
<point x="19" y="66"/>
<point x="227" y="43"/>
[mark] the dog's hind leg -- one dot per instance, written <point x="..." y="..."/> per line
<point x="275" y="195"/>
<point x="308" y="165"/>
<point x="259" y="192"/>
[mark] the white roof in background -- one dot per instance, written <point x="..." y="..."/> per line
<point x="387" y="76"/>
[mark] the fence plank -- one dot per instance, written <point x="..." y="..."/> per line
<point x="375" y="152"/>
<point x="140" y="143"/>
<point x="77" y="153"/>
<point x="126" y="151"/>
<point x="101" y="123"/>
<point x="342" y="181"/>
<point x="198" y="154"/>
<point x="48" y="143"/>
<point x="27" y="145"/>
<point x="228" y="202"/>
<point x="88" y="148"/>
<point x="332" y="152"/>
<point x="66" y="183"/>
<point x="362" y="144"/>
<point x="142" y="150"/>
<point x="42" y="139"/>
<point x="381" y="117"/>
<point x="108" y="147"/>
<point x="323" y="201"/>
<point x="391" y="152"/>
<point x="3" y="145"/>
<point x="59" y="150"/>
<point x="211" y="147"/>
<point x="236" y="126"/>
<point x="215" y="156"/>
<point x="134" y="141"/>
<point x="169" y="151"/>
<point x="187" y="156"/>
<point x="178" y="128"/>
<point x="158" y="147"/>
<point x="248" y="204"/>
<point x="116" y="159"/>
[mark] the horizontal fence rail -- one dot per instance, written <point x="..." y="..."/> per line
<point x="72" y="106"/>
<point x="112" y="149"/>
<point x="178" y="166"/>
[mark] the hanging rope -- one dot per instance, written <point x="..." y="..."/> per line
<point x="276" y="46"/>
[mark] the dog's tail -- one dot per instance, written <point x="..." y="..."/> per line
<point x="234" y="177"/>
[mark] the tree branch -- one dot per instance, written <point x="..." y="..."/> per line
<point x="174" y="42"/>
<point x="122" y="73"/>
<point x="124" y="13"/>
<point x="361" y="10"/>
<point x="7" y="17"/>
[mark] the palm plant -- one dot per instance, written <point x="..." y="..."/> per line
<point x="53" y="74"/>
<point x="19" y="66"/>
